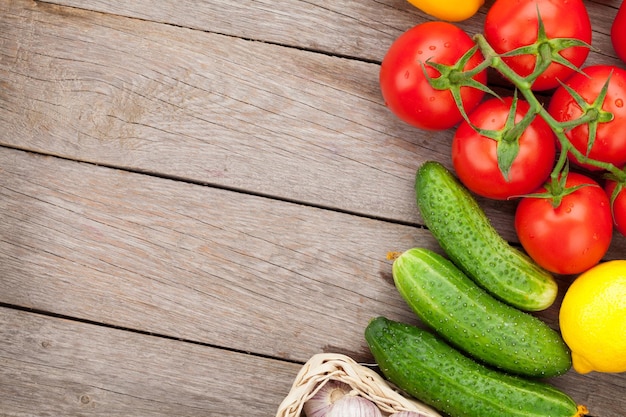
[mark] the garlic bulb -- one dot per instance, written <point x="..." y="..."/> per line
<point x="353" y="406"/>
<point x="337" y="399"/>
<point x="325" y="397"/>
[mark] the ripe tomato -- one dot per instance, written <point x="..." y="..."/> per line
<point x="610" y="142"/>
<point x="511" y="24"/>
<point x="572" y="237"/>
<point x="475" y="157"/>
<point x="618" y="32"/>
<point x="618" y="206"/>
<point x="405" y="88"/>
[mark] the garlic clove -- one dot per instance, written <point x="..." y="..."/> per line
<point x="320" y="403"/>
<point x="354" y="406"/>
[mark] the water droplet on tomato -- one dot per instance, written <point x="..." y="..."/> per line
<point x="432" y="47"/>
<point x="446" y="45"/>
<point x="619" y="102"/>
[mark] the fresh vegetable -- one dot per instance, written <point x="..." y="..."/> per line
<point x="618" y="32"/>
<point x="335" y="398"/>
<point x="324" y="399"/>
<point x="473" y="321"/>
<point x="463" y="230"/>
<point x="531" y="33"/>
<point x="503" y="151"/>
<point x="587" y="115"/>
<point x="600" y="89"/>
<point x="409" y="65"/>
<point x="427" y="368"/>
<point x="567" y="230"/>
<point x="450" y="10"/>
<point x="355" y="406"/>
<point x="593" y="318"/>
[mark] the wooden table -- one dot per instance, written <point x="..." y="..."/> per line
<point x="198" y="196"/>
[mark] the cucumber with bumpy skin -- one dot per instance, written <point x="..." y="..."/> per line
<point x="425" y="367"/>
<point x="465" y="233"/>
<point x="472" y="320"/>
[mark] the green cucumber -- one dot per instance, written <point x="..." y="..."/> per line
<point x="465" y="233"/>
<point x="469" y="318"/>
<point x="427" y="368"/>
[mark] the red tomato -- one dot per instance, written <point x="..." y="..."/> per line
<point x="572" y="237"/>
<point x="405" y="88"/>
<point x="618" y="32"/>
<point x="618" y="206"/>
<point x="610" y="142"/>
<point x="475" y="157"/>
<point x="511" y="24"/>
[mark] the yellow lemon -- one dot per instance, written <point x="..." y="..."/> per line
<point x="450" y="10"/>
<point x="593" y="318"/>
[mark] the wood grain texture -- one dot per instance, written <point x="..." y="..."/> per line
<point x="204" y="265"/>
<point x="196" y="196"/>
<point x="359" y="29"/>
<point x="210" y="108"/>
<point x="214" y="109"/>
<point x="56" y="367"/>
<point x="193" y="262"/>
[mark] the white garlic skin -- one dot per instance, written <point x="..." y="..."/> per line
<point x="320" y="404"/>
<point x="354" y="406"/>
<point x="407" y="414"/>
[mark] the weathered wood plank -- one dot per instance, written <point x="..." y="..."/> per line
<point x="206" y="107"/>
<point x="206" y="265"/>
<point x="188" y="261"/>
<point x="361" y="29"/>
<point x="56" y="367"/>
<point x="193" y="262"/>
<point x="214" y="109"/>
<point x="53" y="366"/>
<point x="354" y="29"/>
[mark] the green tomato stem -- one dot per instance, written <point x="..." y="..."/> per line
<point x="523" y="84"/>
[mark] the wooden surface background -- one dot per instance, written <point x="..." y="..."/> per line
<point x="197" y="196"/>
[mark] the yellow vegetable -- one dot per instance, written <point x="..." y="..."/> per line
<point x="449" y="10"/>
<point x="593" y="318"/>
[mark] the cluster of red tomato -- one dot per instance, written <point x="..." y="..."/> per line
<point x="434" y="77"/>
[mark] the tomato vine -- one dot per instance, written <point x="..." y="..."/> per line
<point x="495" y="148"/>
<point x="548" y="51"/>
